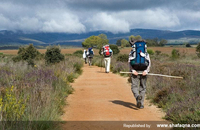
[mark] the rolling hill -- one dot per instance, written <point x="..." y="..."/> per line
<point x="17" y="38"/>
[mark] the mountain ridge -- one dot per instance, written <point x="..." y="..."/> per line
<point x="8" y="37"/>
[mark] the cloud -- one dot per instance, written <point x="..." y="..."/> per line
<point x="39" y="18"/>
<point x="117" y="16"/>
<point x="104" y="21"/>
<point x="60" y="21"/>
<point x="118" y="5"/>
<point x="156" y="18"/>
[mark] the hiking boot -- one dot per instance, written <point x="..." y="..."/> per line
<point x="141" y="107"/>
<point x="138" y="99"/>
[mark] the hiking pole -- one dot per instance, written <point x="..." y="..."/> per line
<point x="169" y="76"/>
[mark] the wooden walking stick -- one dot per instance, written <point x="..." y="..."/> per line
<point x="169" y="76"/>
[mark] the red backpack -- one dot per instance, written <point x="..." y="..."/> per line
<point x="106" y="51"/>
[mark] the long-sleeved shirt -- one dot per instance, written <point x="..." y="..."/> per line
<point x="147" y="57"/>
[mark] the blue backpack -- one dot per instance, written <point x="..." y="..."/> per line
<point x="91" y="53"/>
<point x="139" y="54"/>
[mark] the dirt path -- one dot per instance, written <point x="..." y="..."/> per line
<point x="103" y="96"/>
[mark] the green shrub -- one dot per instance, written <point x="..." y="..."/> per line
<point x="30" y="62"/>
<point x="151" y="52"/>
<point x="27" y="54"/>
<point x="158" y="52"/>
<point x="70" y="78"/>
<point x="160" y="97"/>
<point x="123" y="57"/>
<point x="78" y="67"/>
<point x="188" y="45"/>
<point x="2" y="55"/>
<point x="53" y="55"/>
<point x="115" y="49"/>
<point x="17" y="58"/>
<point x="198" y="50"/>
<point x="198" y="54"/>
<point x="175" y="54"/>
<point x="78" y="52"/>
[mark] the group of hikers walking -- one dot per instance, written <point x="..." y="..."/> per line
<point x="139" y="64"/>
<point x="88" y="55"/>
<point x="105" y="51"/>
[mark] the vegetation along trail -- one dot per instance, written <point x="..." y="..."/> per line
<point x="101" y="96"/>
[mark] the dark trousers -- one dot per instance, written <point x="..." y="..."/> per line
<point x="138" y="86"/>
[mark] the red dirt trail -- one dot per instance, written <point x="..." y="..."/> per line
<point x="103" y="99"/>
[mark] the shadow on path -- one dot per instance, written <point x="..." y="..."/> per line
<point x="103" y="71"/>
<point x="126" y="104"/>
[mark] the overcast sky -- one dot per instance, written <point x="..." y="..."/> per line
<point x="116" y="16"/>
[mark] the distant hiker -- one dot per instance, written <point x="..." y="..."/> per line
<point x="107" y="52"/>
<point x="90" y="54"/>
<point x="139" y="62"/>
<point x="85" y="56"/>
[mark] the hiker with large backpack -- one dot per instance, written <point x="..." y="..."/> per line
<point x="107" y="53"/>
<point x="90" y="54"/>
<point x="139" y="62"/>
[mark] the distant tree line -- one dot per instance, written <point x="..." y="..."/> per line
<point x="156" y="42"/>
<point x="101" y="40"/>
<point x="150" y="42"/>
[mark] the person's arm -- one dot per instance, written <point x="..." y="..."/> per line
<point x="131" y="68"/>
<point x="93" y="51"/>
<point x="145" y="72"/>
<point x="101" y="51"/>
<point x="84" y="54"/>
<point x="111" y="53"/>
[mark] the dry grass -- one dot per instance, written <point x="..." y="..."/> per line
<point x="166" y="50"/>
<point x="64" y="51"/>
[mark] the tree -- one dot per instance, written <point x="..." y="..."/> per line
<point x="114" y="48"/>
<point x="90" y="41"/>
<point x="131" y="37"/>
<point x="156" y="42"/>
<point x="135" y="37"/>
<point x="138" y="37"/>
<point x="53" y="55"/>
<point x="163" y="42"/>
<point x="95" y="41"/>
<point x="27" y="54"/>
<point x="103" y="36"/>
<point x="118" y="43"/>
<point x="124" y="43"/>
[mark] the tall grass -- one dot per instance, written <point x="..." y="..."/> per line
<point x="35" y="93"/>
<point x="179" y="98"/>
